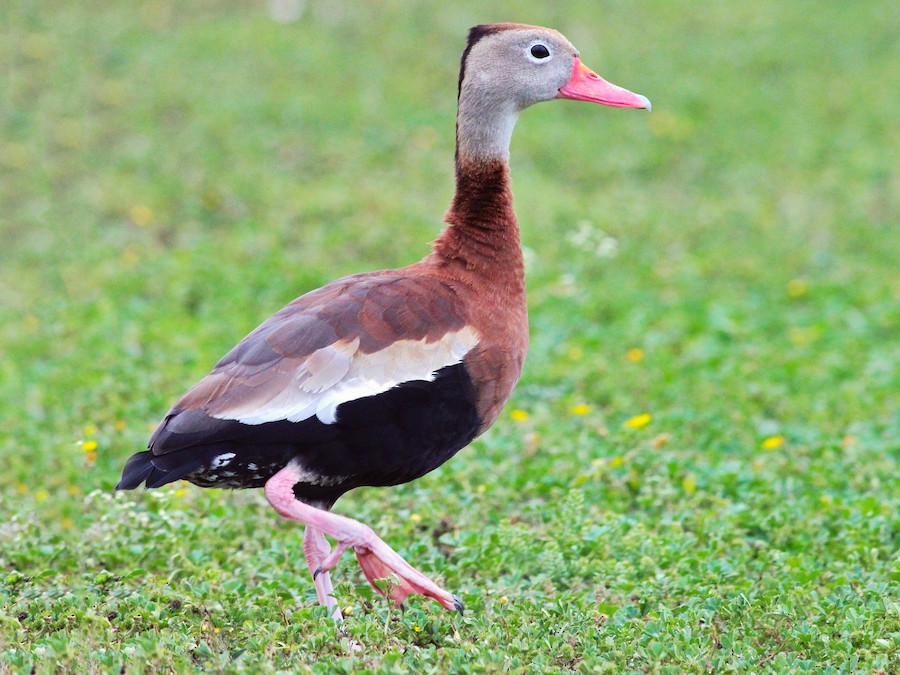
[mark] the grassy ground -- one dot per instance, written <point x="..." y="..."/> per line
<point x="699" y="470"/>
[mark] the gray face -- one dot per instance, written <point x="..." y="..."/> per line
<point x="519" y="67"/>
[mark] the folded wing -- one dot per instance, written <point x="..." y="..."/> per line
<point x="332" y="346"/>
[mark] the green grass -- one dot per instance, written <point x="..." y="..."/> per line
<point x="172" y="173"/>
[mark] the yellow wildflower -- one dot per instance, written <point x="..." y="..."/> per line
<point x="580" y="409"/>
<point x="803" y="336"/>
<point x="772" y="442"/>
<point x="41" y="495"/>
<point x="89" y="429"/>
<point x="140" y="214"/>
<point x="689" y="484"/>
<point x="519" y="415"/>
<point x="638" y="421"/>
<point x="797" y="288"/>
<point x="415" y="517"/>
<point x="635" y="355"/>
<point x="22" y="489"/>
<point x="89" y="446"/>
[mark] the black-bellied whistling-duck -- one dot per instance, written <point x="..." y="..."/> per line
<point x="378" y="378"/>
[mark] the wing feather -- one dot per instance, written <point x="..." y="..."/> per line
<point x="356" y="337"/>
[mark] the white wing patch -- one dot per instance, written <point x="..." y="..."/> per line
<point x="340" y="373"/>
<point x="221" y="460"/>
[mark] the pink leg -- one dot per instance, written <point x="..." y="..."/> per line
<point x="377" y="559"/>
<point x="317" y="550"/>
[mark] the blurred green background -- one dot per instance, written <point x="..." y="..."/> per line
<point x="704" y="443"/>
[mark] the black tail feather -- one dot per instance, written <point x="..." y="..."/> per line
<point x="154" y="471"/>
<point x="136" y="470"/>
<point x="161" y="474"/>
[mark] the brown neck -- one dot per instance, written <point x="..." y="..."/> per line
<point x="483" y="234"/>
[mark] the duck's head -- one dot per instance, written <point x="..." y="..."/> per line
<point x="529" y="64"/>
<point x="508" y="67"/>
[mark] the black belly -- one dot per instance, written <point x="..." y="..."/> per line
<point x="386" y="439"/>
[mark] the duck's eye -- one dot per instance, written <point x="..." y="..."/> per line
<point x="539" y="51"/>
